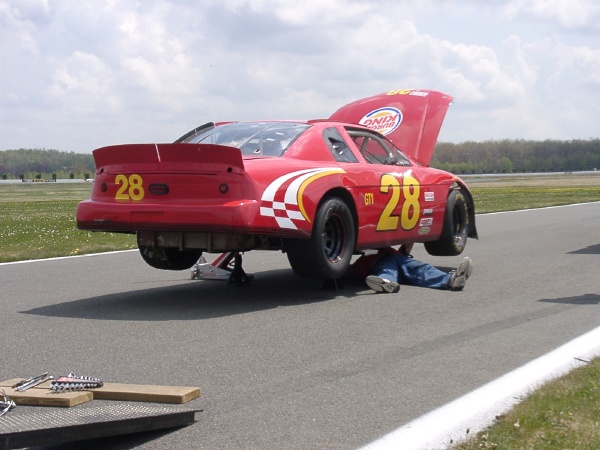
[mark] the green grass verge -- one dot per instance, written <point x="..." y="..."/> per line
<point x="37" y="220"/>
<point x="563" y="414"/>
<point x="493" y="199"/>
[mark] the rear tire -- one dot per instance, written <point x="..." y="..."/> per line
<point x="453" y="239"/>
<point x="328" y="253"/>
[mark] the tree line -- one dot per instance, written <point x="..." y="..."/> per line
<point x="505" y="156"/>
<point x="508" y="156"/>
<point x="45" y="164"/>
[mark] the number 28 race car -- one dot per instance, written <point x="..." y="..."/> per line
<point x="319" y="190"/>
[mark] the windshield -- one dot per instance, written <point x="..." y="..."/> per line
<point x="252" y="138"/>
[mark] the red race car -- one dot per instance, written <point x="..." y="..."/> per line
<point x="318" y="190"/>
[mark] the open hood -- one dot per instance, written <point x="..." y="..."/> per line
<point x="410" y="118"/>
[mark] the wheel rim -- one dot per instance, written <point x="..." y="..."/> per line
<point x="459" y="225"/>
<point x="334" y="238"/>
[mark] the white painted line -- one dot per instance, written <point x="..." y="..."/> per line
<point x="477" y="410"/>
<point x="536" y="209"/>
<point x="66" y="257"/>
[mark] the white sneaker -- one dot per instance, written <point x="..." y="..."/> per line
<point x="379" y="284"/>
<point x="460" y="276"/>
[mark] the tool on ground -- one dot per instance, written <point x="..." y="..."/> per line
<point x="74" y="382"/>
<point x="6" y="404"/>
<point x="31" y="382"/>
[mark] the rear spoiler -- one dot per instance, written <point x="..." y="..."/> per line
<point x="189" y="157"/>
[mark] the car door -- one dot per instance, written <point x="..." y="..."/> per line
<point x="396" y="198"/>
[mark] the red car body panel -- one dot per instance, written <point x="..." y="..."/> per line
<point x="411" y="118"/>
<point x="196" y="195"/>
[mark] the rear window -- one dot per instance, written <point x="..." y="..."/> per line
<point x="253" y="138"/>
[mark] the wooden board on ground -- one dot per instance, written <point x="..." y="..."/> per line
<point x="116" y="391"/>
<point x="146" y="393"/>
<point x="45" y="397"/>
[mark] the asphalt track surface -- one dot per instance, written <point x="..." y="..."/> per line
<point x="284" y="364"/>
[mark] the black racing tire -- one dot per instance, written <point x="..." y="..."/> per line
<point x="328" y="253"/>
<point x="455" y="230"/>
<point x="166" y="258"/>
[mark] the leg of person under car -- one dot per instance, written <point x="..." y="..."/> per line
<point x="395" y="268"/>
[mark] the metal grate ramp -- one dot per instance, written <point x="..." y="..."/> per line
<point x="27" y="426"/>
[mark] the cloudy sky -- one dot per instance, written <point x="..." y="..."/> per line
<point x="80" y="74"/>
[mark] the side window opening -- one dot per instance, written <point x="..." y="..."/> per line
<point x="338" y="147"/>
<point x="377" y="150"/>
<point x="373" y="152"/>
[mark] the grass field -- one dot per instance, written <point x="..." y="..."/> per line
<point x="522" y="192"/>
<point x="563" y="414"/>
<point x="38" y="221"/>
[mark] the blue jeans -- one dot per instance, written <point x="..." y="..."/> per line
<point x="407" y="270"/>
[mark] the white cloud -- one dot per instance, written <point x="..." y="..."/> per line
<point x="20" y="22"/>
<point x="90" y="73"/>
<point x="84" y="83"/>
<point x="571" y="14"/>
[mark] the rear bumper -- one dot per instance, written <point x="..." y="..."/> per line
<point x="99" y="216"/>
<point x="241" y="217"/>
<point x="230" y="227"/>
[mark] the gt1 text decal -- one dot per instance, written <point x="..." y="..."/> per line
<point x="411" y="208"/>
<point x="130" y="188"/>
<point x="283" y="198"/>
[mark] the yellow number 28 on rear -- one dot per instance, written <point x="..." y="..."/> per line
<point x="130" y="188"/>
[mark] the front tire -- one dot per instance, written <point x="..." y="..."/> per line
<point x="453" y="239"/>
<point x="328" y="253"/>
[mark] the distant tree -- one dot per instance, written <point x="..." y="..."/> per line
<point x="518" y="156"/>
<point x="44" y="161"/>
<point x="505" y="164"/>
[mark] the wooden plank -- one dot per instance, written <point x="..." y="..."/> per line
<point x="146" y="393"/>
<point x="129" y="392"/>
<point x="45" y="397"/>
<point x="11" y="382"/>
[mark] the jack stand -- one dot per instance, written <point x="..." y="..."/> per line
<point x="238" y="276"/>
<point x="332" y="285"/>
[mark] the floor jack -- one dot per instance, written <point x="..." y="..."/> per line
<point x="227" y="267"/>
<point x="222" y="269"/>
